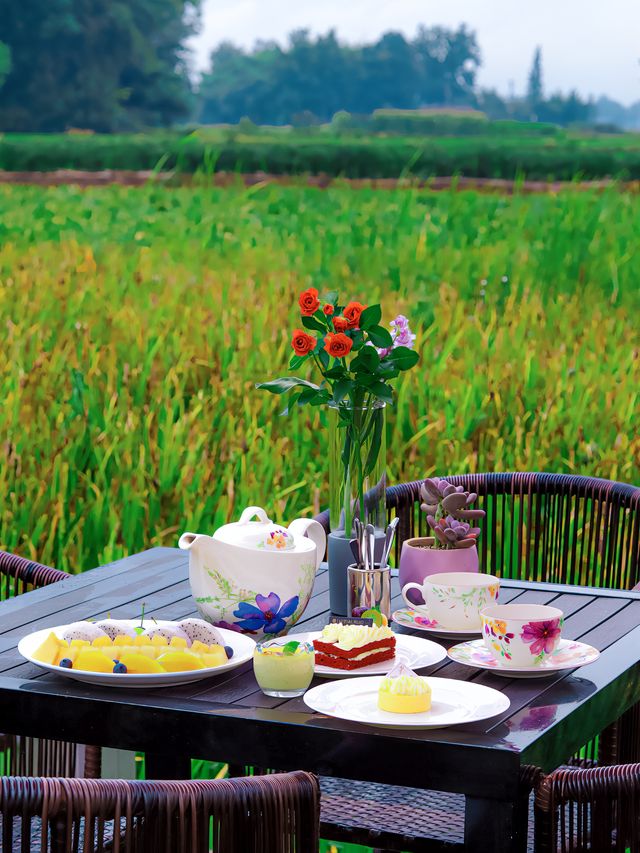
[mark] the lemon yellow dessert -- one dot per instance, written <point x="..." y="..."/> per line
<point x="403" y="692"/>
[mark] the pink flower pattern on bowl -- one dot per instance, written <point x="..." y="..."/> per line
<point x="426" y="623"/>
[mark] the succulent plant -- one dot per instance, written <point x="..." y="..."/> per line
<point x="449" y="513"/>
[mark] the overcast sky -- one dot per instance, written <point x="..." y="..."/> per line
<point x="591" y="45"/>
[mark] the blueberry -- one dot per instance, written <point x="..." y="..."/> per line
<point x="120" y="668"/>
<point x="228" y="651"/>
<point x="66" y="663"/>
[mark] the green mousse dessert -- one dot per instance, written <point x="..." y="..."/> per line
<point x="283" y="668"/>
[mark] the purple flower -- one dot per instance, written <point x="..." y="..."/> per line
<point x="401" y="335"/>
<point x="268" y="615"/>
<point x="542" y="636"/>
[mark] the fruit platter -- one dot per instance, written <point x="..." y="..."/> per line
<point x="137" y="653"/>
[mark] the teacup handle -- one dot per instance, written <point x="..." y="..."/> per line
<point x="408" y="586"/>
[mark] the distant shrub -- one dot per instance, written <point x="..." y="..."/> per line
<point x="293" y="153"/>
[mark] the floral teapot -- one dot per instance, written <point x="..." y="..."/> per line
<point x="255" y="577"/>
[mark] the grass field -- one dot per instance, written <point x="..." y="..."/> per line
<point x="135" y="323"/>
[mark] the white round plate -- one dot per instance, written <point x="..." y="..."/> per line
<point x="242" y="646"/>
<point x="409" y="618"/>
<point x="453" y="702"/>
<point x="414" y="652"/>
<point x="569" y="655"/>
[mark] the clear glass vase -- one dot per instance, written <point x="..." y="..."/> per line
<point x="357" y="466"/>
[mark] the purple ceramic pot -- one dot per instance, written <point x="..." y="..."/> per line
<point x="417" y="563"/>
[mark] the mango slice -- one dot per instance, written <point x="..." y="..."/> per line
<point x="179" y="661"/>
<point x="138" y="664"/>
<point x="48" y="651"/>
<point x="93" y="660"/>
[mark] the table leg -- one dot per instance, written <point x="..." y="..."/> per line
<point x="492" y="825"/>
<point x="162" y="766"/>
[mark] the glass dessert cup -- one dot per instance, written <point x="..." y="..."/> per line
<point x="283" y="668"/>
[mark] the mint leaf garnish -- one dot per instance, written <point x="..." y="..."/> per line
<point x="290" y="647"/>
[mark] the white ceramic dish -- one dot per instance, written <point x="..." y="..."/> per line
<point x="569" y="655"/>
<point x="453" y="703"/>
<point x="415" y="652"/>
<point x="242" y="646"/>
<point x="409" y="618"/>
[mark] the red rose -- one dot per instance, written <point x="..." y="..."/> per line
<point x="328" y="309"/>
<point x="302" y="342"/>
<point x="338" y="345"/>
<point x="309" y="302"/>
<point x="352" y="312"/>
<point x="340" y="324"/>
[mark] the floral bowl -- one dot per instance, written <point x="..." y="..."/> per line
<point x="521" y="635"/>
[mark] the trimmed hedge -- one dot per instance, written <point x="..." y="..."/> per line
<point x="368" y="157"/>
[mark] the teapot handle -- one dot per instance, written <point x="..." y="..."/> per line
<point x="252" y="511"/>
<point x="315" y="531"/>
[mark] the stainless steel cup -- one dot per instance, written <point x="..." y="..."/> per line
<point x="369" y="589"/>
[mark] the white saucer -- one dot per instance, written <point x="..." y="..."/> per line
<point x="414" y="652"/>
<point x="242" y="646"/>
<point x="569" y="655"/>
<point x="409" y="618"/>
<point x="453" y="703"/>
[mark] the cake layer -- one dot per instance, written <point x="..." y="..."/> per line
<point x="397" y="703"/>
<point x="357" y="651"/>
<point x="331" y="660"/>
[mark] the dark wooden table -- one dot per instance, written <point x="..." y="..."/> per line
<point x="229" y="719"/>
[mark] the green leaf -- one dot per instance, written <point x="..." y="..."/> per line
<point x="379" y="336"/>
<point x="324" y="357"/>
<point x="403" y="358"/>
<point x="336" y="372"/>
<point x="382" y="391"/>
<point x="297" y="361"/>
<point x="370" y="317"/>
<point x="341" y="388"/>
<point x="290" y="647"/>
<point x="284" y="384"/>
<point x="367" y="359"/>
<point x="376" y="441"/>
<point x="313" y="323"/>
<point x="330" y="296"/>
<point x="291" y="403"/>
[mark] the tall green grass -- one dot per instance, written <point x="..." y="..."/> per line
<point x="136" y="322"/>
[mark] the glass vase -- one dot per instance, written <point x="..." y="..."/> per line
<point x="357" y="466"/>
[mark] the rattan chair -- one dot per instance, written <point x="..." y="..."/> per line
<point x="25" y="756"/>
<point x="588" y="809"/>
<point x="260" y="814"/>
<point x="556" y="528"/>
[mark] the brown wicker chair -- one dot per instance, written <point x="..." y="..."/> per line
<point x="588" y="809"/>
<point x="260" y="814"/>
<point x="24" y="756"/>
<point x="556" y="528"/>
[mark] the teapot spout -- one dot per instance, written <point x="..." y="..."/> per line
<point x="188" y="540"/>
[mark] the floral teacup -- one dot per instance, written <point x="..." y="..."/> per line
<point x="454" y="599"/>
<point x="521" y="635"/>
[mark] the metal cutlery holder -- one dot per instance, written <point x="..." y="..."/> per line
<point x="369" y="588"/>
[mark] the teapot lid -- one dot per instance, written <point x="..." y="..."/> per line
<point x="262" y="534"/>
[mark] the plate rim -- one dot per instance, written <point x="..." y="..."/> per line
<point x="483" y="688"/>
<point x="531" y="670"/>
<point x="446" y="633"/>
<point x="149" y="679"/>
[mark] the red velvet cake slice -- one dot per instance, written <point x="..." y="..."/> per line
<point x="354" y="646"/>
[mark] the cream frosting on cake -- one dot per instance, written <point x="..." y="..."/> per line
<point x="401" y="691"/>
<point x="349" y="637"/>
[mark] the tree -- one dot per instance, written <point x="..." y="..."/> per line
<point x="319" y="77"/>
<point x="534" y="88"/>
<point x="99" y="64"/>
